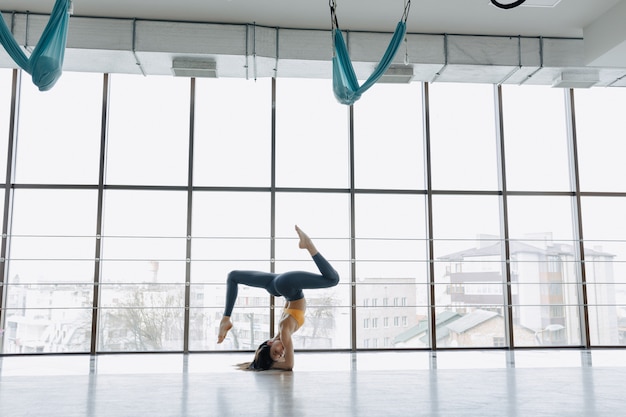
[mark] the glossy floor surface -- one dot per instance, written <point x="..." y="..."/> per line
<point x="450" y="383"/>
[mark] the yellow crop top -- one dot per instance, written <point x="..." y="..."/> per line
<point x="298" y="315"/>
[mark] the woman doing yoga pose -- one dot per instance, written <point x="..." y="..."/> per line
<point x="277" y="352"/>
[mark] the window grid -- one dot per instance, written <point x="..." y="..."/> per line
<point x="554" y="294"/>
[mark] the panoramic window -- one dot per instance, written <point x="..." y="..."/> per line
<point x="604" y="234"/>
<point x="388" y="136"/>
<point x="232" y="140"/>
<point x="230" y="231"/>
<point x="601" y="139"/>
<point x="50" y="274"/>
<point x="463" y="137"/>
<point x="146" y="251"/>
<point x="143" y="271"/>
<point x="535" y="139"/>
<point x="545" y="283"/>
<point x="148" y="139"/>
<point x="325" y="217"/>
<point x="468" y="270"/>
<point x="311" y="135"/>
<point x="59" y="139"/>
<point x="391" y="263"/>
<point x="5" y="118"/>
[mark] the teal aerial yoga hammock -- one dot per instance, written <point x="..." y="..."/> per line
<point x="345" y="84"/>
<point x="45" y="63"/>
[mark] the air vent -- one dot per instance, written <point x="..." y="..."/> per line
<point x="397" y="75"/>
<point x="568" y="79"/>
<point x="194" y="68"/>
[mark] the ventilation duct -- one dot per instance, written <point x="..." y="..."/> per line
<point x="186" y="49"/>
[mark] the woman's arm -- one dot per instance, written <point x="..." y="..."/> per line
<point x="287" y="363"/>
<point x="284" y="336"/>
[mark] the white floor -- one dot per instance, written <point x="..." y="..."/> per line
<point x="449" y="383"/>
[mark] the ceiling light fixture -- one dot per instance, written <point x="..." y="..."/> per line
<point x="507" y="5"/>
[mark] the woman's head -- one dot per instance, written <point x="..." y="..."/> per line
<point x="262" y="358"/>
<point x="266" y="354"/>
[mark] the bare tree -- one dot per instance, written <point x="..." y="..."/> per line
<point x="151" y="317"/>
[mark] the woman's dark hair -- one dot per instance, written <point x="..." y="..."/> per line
<point x="262" y="358"/>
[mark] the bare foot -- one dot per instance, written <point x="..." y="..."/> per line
<point x="225" y="326"/>
<point x="305" y="242"/>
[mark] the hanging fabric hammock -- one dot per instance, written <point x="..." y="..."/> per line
<point x="45" y="63"/>
<point x="345" y="84"/>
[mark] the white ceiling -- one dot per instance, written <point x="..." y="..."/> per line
<point x="585" y="37"/>
<point x="476" y="17"/>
